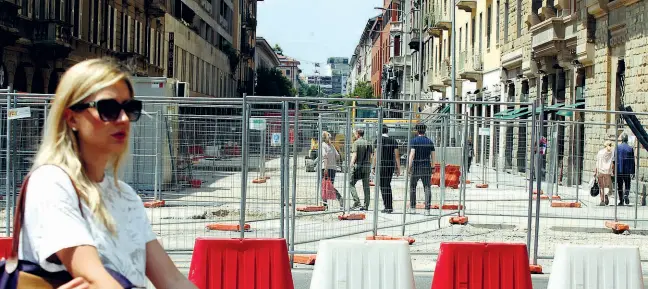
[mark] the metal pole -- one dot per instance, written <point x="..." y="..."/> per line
<point x="578" y="171"/>
<point x="616" y="171"/>
<point x="156" y="191"/>
<point x="7" y="171"/>
<point x="282" y="172"/>
<point x="538" y="170"/>
<point x="453" y="40"/>
<point x="244" y="164"/>
<point x="319" y="158"/>
<point x="420" y="51"/>
<point x="378" y="169"/>
<point x="406" y="171"/>
<point x="444" y="148"/>
<point x="464" y="173"/>
<point x="534" y="139"/>
<point x="264" y="144"/>
<point x="347" y="158"/>
<point x="637" y="182"/>
<point x="294" y="184"/>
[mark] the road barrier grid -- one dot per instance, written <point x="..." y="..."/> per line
<point x="505" y="172"/>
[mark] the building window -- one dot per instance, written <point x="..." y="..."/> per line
<point x="481" y="20"/>
<point x="497" y="26"/>
<point x="137" y="37"/>
<point x="287" y="72"/>
<point x="472" y="32"/>
<point x="489" y="10"/>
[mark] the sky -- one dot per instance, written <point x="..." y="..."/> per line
<point x="313" y="30"/>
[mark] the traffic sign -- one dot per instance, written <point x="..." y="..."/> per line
<point x="257" y="123"/>
<point x="17" y="113"/>
<point x="276" y="139"/>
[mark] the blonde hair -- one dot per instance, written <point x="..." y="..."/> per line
<point x="60" y="144"/>
<point x="326" y="137"/>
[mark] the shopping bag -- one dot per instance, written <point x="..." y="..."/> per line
<point x="594" y="187"/>
<point x="328" y="191"/>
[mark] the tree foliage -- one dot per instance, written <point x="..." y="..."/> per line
<point x="278" y="50"/>
<point x="270" y="82"/>
<point x="363" y="90"/>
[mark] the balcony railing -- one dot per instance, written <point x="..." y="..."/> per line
<point x="156" y="8"/>
<point x="477" y="62"/>
<point x="462" y="62"/>
<point x="441" y="20"/>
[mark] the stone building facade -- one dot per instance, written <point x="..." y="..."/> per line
<point x="570" y="53"/>
<point x="42" y="38"/>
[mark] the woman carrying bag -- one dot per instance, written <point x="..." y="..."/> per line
<point x="78" y="222"/>
<point x="603" y="171"/>
<point x="329" y="168"/>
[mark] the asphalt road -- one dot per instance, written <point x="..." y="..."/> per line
<point x="301" y="279"/>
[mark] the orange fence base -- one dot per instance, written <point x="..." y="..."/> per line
<point x="154" y="204"/>
<point x="227" y="227"/>
<point x="351" y="217"/>
<point x="444" y="207"/>
<point x="535" y="192"/>
<point x="307" y="259"/>
<point x="410" y="240"/>
<point x="535" y="269"/>
<point x="545" y="197"/>
<point x="259" y="181"/>
<point x="459" y="220"/>
<point x="617" y="227"/>
<point x="482" y="186"/>
<point x="566" y="205"/>
<point x="311" y="209"/>
<point x="467" y="182"/>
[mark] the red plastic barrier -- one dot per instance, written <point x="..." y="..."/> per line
<point x="482" y="266"/>
<point x="452" y="176"/>
<point x="240" y="264"/>
<point x="5" y="247"/>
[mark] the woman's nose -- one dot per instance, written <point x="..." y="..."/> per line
<point x="123" y="117"/>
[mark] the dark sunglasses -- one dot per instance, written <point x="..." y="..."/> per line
<point x="110" y="109"/>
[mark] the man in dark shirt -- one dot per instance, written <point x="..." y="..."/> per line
<point x="420" y="167"/>
<point x="389" y="164"/>
<point x="625" y="169"/>
<point x="361" y="165"/>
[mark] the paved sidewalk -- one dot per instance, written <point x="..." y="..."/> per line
<point x="301" y="279"/>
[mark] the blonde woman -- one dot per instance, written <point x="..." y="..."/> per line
<point x="102" y="222"/>
<point x="603" y="171"/>
<point x="329" y="163"/>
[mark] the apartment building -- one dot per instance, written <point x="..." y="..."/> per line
<point x="361" y="59"/>
<point x="40" y="39"/>
<point x="200" y="45"/>
<point x="567" y="53"/>
<point x="289" y="67"/>
<point x="265" y="56"/>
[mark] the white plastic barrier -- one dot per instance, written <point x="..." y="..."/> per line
<point x="596" y="267"/>
<point x="362" y="264"/>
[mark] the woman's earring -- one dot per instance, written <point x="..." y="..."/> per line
<point x="74" y="129"/>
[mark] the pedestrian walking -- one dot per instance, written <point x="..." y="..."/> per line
<point x="361" y="168"/>
<point x="330" y="157"/>
<point x="603" y="171"/>
<point x="470" y="152"/>
<point x="421" y="167"/>
<point x="389" y="165"/>
<point x="625" y="169"/>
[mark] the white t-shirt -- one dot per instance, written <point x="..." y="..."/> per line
<point x="53" y="222"/>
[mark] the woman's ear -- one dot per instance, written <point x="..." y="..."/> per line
<point x="70" y="119"/>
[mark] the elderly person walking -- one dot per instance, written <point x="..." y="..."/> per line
<point x="625" y="169"/>
<point x="603" y="171"/>
<point x="330" y="157"/>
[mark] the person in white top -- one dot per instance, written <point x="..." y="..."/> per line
<point x="103" y="223"/>
<point x="603" y="171"/>
<point x="329" y="164"/>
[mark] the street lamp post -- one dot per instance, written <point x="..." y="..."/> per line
<point x="453" y="88"/>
